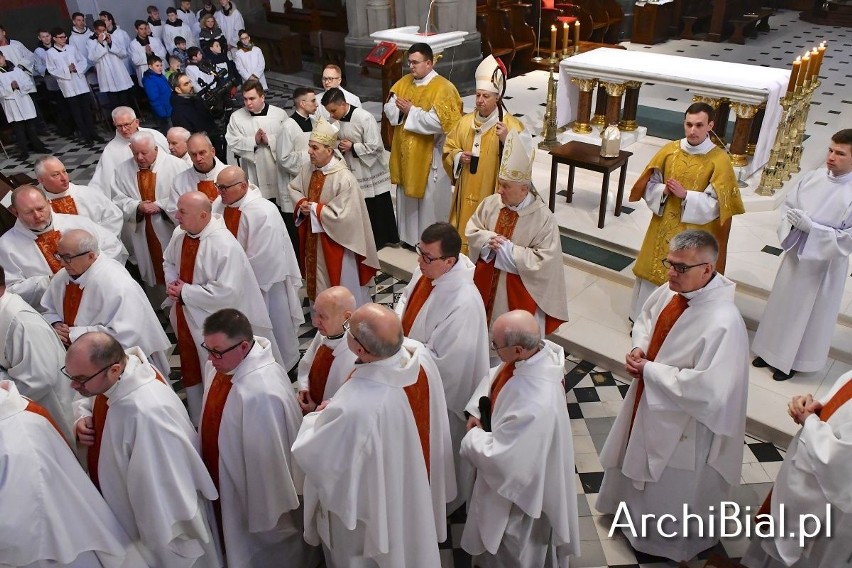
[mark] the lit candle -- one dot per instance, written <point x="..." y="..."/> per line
<point x="818" y="53"/>
<point x="577" y="36"/>
<point x="565" y="38"/>
<point x="805" y="71"/>
<point x="553" y="42"/>
<point x="794" y="74"/>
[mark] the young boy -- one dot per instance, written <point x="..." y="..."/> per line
<point x="180" y="51"/>
<point x="159" y="93"/>
<point x="174" y="67"/>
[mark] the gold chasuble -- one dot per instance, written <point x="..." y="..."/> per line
<point x="410" y="157"/>
<point x="695" y="172"/>
<point x="64" y="205"/>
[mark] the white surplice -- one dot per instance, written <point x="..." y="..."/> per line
<point x="264" y="237"/>
<point x="344" y="362"/>
<point x="367" y="497"/>
<point x="291" y="152"/>
<point x="115" y="152"/>
<point x="686" y="443"/>
<point x="32" y="356"/>
<point x="27" y="271"/>
<point x="108" y="59"/>
<point x="367" y="158"/>
<point x="151" y="473"/>
<point x="261" y="513"/>
<point x="259" y="162"/>
<point x="251" y="63"/>
<point x="798" y="324"/>
<point x="93" y="204"/>
<point x="139" y="55"/>
<point x="58" y="61"/>
<point x="188" y="180"/>
<point x="183" y="30"/>
<point x="230" y="23"/>
<point x="17" y="103"/>
<point x="18" y="53"/>
<point x="525" y="469"/>
<point x="452" y="325"/>
<point x="45" y="487"/>
<point x="114" y="303"/>
<point x="815" y="472"/>
<point x="125" y="193"/>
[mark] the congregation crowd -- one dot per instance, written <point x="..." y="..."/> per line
<point x="355" y="453"/>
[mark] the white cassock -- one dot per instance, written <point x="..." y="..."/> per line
<point x="189" y="180"/>
<point x="17" y="53"/>
<point x="125" y="193"/>
<point x="149" y="455"/>
<point x="17" y="103"/>
<point x="80" y="41"/>
<point x="291" y="152"/>
<point x="115" y="152"/>
<point x="341" y="365"/>
<point x="121" y="37"/>
<point x="452" y="325"/>
<point x="40" y="469"/>
<point x="108" y="59"/>
<point x="367" y="158"/>
<point x="351" y="98"/>
<point x="259" y="162"/>
<point x="139" y="55"/>
<point x="250" y="63"/>
<point x="31" y="357"/>
<point x="367" y="497"/>
<point x="414" y="215"/>
<point x="58" y="61"/>
<point x="524" y="504"/>
<point x="798" y="324"/>
<point x="815" y="472"/>
<point x="686" y="443"/>
<point x="262" y="234"/>
<point x="170" y="32"/>
<point x="261" y="513"/>
<point x="190" y="19"/>
<point x="27" y="271"/>
<point x="114" y="303"/>
<point x="230" y="24"/>
<point x="92" y="204"/>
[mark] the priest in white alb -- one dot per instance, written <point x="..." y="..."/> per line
<point x="95" y="293"/>
<point x="202" y="173"/>
<point x="257" y="225"/>
<point x="439" y="307"/>
<point x="678" y="440"/>
<point x="142" y="188"/>
<point x="524" y="505"/>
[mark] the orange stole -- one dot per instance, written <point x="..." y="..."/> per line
<point x="231" y="216"/>
<point x="208" y="188"/>
<point x="211" y="420"/>
<point x="71" y="302"/>
<point x="318" y="374"/>
<point x="418" y="399"/>
<point x="665" y="322"/>
<point x="415" y="302"/>
<point x="65" y="205"/>
<point x="36" y="408"/>
<point x="147" y="182"/>
<point x="190" y="366"/>
<point x="503" y="376"/>
<point x="841" y="397"/>
<point x="48" y="244"/>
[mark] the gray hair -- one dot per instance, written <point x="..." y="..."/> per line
<point x="40" y="165"/>
<point x="377" y="347"/>
<point x="201" y="136"/>
<point x="703" y="241"/>
<point x="522" y="338"/>
<point x="123" y="111"/>
<point x="181" y="131"/>
<point x="143" y="136"/>
<point x="88" y="243"/>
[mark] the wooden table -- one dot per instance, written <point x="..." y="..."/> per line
<point x="587" y="156"/>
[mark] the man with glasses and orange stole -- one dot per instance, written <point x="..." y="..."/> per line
<point x="118" y="149"/>
<point x="95" y="293"/>
<point x="336" y="246"/>
<point x="206" y="269"/>
<point x="203" y="173"/>
<point x="249" y="422"/>
<point x="677" y="443"/>
<point x="514" y="240"/>
<point x="439" y="306"/>
<point x="28" y="249"/>
<point x="423" y="107"/>
<point x="139" y="436"/>
<point x="257" y="225"/>
<point x="141" y="189"/>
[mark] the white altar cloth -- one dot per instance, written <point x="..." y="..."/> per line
<point x="750" y="84"/>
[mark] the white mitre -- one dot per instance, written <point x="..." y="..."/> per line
<point x="516" y="164"/>
<point x="490" y="76"/>
<point x="324" y="133"/>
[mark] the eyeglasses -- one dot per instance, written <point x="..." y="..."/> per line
<point x="82" y="380"/>
<point x="222" y="187"/>
<point x="126" y="125"/>
<point x="426" y="258"/>
<point x="412" y="62"/>
<point x="219" y="354"/>
<point x="495" y="348"/>
<point x="327" y="79"/>
<point x="681" y="268"/>
<point x="67" y="258"/>
<point x="346" y="327"/>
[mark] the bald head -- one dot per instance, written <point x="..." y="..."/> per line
<point x="97" y="355"/>
<point x="332" y="307"/>
<point x="517" y="335"/>
<point x="233" y="184"/>
<point x="193" y="212"/>
<point x="31" y="207"/>
<point x="376" y="331"/>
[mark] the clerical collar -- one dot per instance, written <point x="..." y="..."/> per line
<point x="177" y="23"/>
<point x="199" y="172"/>
<point x="227" y="11"/>
<point x="332" y="163"/>
<point x="712" y="283"/>
<point x="8" y="66"/>
<point x="47" y="229"/>
<point x="425" y="80"/>
<point x="84" y="32"/>
<point x="145" y="41"/>
<point x="526" y="201"/>
<point x="155" y="22"/>
<point x="700" y="149"/>
<point x="336" y="337"/>
<point x="349" y="114"/>
<point x="304" y="122"/>
<point x="261" y="113"/>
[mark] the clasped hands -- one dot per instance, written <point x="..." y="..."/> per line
<point x="404" y="105"/>
<point x="635" y="363"/>
<point x="800" y="220"/>
<point x="173" y="289"/>
<point x="63" y="332"/>
<point x="496" y="242"/>
<point x="307" y="404"/>
<point x="148" y="208"/>
<point x="802" y="406"/>
<point x="673" y="187"/>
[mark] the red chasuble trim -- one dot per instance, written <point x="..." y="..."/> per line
<point x="318" y="374"/>
<point x="503" y="376"/>
<point x="48" y="244"/>
<point x="418" y="298"/>
<point x="211" y="421"/>
<point x="208" y="188"/>
<point x="231" y="216"/>
<point x="147" y="183"/>
<point x="71" y="303"/>
<point x="64" y="205"/>
<point x="190" y="366"/>
<point x="36" y="408"/>
<point x="418" y="399"/>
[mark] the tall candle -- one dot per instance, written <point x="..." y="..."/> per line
<point x="553" y="42"/>
<point x="565" y="38"/>
<point x="816" y="55"/>
<point x="794" y="74"/>
<point x="577" y="35"/>
<point x="803" y="73"/>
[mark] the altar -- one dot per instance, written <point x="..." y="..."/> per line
<point x="752" y="92"/>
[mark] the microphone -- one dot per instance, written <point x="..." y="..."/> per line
<point x="740" y="183"/>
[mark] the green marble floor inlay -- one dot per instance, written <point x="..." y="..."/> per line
<point x="595" y="254"/>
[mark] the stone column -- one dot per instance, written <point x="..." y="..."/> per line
<point x="584" y="105"/>
<point x="600" y="106"/>
<point x="614" y="91"/>
<point x="631" y="105"/>
<point x="379" y="16"/>
<point x="742" y="132"/>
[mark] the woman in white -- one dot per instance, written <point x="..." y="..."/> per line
<point x="249" y="60"/>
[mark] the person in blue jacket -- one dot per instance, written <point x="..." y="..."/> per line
<point x="159" y="92"/>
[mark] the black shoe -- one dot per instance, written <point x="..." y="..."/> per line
<point x="782" y="376"/>
<point x="759" y="363"/>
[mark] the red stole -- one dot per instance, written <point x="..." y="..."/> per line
<point x="318" y="374"/>
<point x="41" y="411"/>
<point x="190" y="366"/>
<point x="665" y="322"/>
<point x="503" y="376"/>
<point x="71" y="302"/>
<point x="487" y="277"/>
<point x="415" y="302"/>
<point x="64" y="204"/>
<point x="418" y="399"/>
<point x="48" y="244"/>
<point x="211" y="420"/>
<point x="147" y="182"/>
<point x="231" y="216"/>
<point x="208" y="188"/>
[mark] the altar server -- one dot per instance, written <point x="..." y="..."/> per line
<point x="109" y="56"/>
